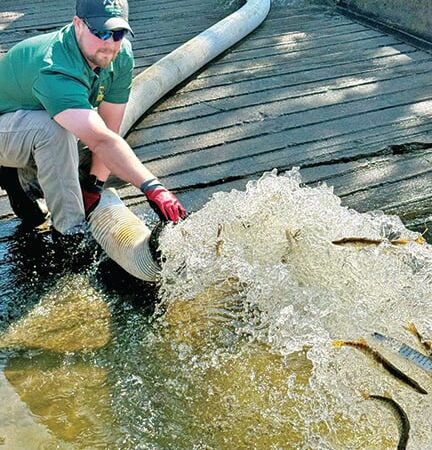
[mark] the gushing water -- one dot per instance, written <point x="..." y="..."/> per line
<point x="276" y="250"/>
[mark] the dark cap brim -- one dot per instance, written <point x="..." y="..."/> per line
<point x="113" y="23"/>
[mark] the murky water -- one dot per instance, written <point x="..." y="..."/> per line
<point x="238" y="352"/>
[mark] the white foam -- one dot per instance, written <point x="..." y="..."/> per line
<point x="277" y="248"/>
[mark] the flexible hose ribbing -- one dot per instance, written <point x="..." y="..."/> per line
<point x="123" y="236"/>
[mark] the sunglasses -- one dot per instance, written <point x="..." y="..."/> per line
<point x="117" y="35"/>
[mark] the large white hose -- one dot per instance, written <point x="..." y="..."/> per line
<point x="153" y="83"/>
<point x="123" y="236"/>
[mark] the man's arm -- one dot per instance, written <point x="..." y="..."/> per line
<point x="105" y="144"/>
<point x="113" y="154"/>
<point x="112" y="114"/>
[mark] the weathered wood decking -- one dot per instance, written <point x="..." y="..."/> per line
<point x="309" y="88"/>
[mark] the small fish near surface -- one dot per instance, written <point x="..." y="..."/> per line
<point x="362" y="345"/>
<point x="403" y="421"/>
<point x="365" y="242"/>
<point x="219" y="241"/>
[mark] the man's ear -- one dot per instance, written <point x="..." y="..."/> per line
<point x="78" y="24"/>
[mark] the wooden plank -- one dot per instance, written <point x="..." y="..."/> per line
<point x="150" y="47"/>
<point x="339" y="54"/>
<point x="227" y="65"/>
<point x="338" y="148"/>
<point x="304" y="78"/>
<point x="278" y="28"/>
<point x="141" y="14"/>
<point x="395" y="184"/>
<point x="295" y="43"/>
<point x="229" y="126"/>
<point x="344" y="147"/>
<point x="144" y="58"/>
<point x="407" y="196"/>
<point x="147" y="37"/>
<point x="226" y="128"/>
<point x="228" y="165"/>
<point x="381" y="83"/>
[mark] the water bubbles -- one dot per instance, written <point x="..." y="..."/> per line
<point x="307" y="270"/>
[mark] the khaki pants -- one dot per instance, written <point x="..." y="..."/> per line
<point x="46" y="156"/>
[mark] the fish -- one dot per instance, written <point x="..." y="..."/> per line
<point x="403" y="421"/>
<point x="362" y="345"/>
<point x="357" y="241"/>
<point x="219" y="230"/>
<point x="426" y="344"/>
<point x="292" y="237"/>
<point x="362" y="241"/>
<point x="219" y="241"/>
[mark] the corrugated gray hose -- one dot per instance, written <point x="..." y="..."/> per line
<point x="123" y="236"/>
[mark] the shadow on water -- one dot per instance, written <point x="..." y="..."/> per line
<point x="26" y="271"/>
<point x="32" y="264"/>
<point x="116" y="281"/>
<point x="66" y="325"/>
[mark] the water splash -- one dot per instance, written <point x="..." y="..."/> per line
<point x="273" y="245"/>
<point x="253" y="293"/>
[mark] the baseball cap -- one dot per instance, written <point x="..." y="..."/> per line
<point x="104" y="14"/>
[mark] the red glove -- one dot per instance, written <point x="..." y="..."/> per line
<point x="92" y="189"/>
<point x="164" y="203"/>
<point x="91" y="200"/>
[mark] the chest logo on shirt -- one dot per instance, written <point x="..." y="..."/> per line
<point x="101" y="94"/>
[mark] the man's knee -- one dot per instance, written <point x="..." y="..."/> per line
<point x="55" y="135"/>
<point x="56" y="147"/>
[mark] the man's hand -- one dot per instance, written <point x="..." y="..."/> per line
<point x="164" y="203"/>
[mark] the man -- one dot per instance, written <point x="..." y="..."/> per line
<point x="50" y="87"/>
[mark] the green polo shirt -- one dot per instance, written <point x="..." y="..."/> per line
<point x="49" y="72"/>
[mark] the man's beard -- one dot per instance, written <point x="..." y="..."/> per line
<point x="102" y="58"/>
